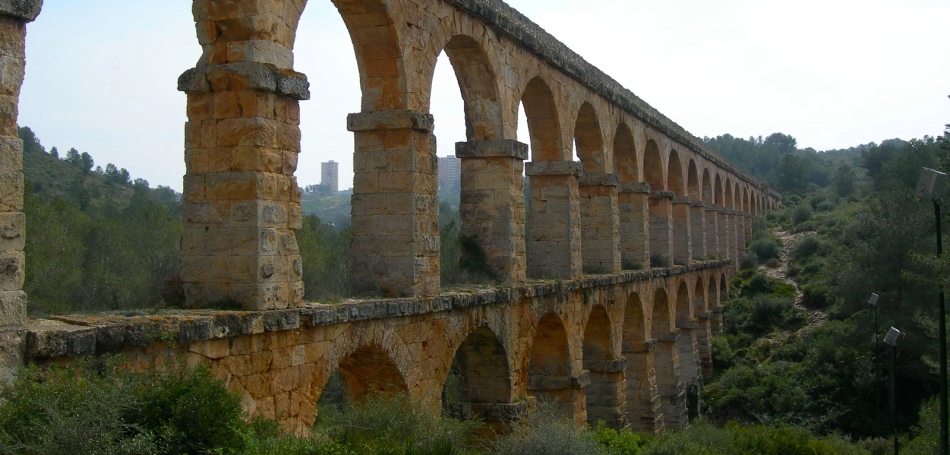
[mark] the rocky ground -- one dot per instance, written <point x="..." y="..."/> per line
<point x="815" y="317"/>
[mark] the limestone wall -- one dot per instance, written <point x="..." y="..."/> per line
<point x="604" y="348"/>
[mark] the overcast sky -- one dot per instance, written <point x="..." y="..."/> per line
<point x="101" y="75"/>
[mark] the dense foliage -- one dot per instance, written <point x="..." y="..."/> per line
<point x="95" y="240"/>
<point x="858" y="233"/>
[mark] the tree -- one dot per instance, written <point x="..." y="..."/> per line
<point x="845" y="178"/>
<point x="781" y="142"/>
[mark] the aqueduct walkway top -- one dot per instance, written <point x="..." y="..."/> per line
<point x="605" y="340"/>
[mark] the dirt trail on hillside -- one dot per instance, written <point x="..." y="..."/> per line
<point x="815" y="317"/>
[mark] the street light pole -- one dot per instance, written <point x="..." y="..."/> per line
<point x="943" y="342"/>
<point x="891" y="339"/>
<point x="930" y="187"/>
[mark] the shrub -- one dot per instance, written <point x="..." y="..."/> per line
<point x="544" y="431"/>
<point x="766" y="248"/>
<point x="802" y="214"/>
<point x="188" y="410"/>
<point x="805" y="247"/>
<point x="623" y="442"/>
<point x="748" y="260"/>
<point x="96" y="408"/>
<point x="659" y="260"/>
<point x="383" y="424"/>
<point x="62" y="411"/>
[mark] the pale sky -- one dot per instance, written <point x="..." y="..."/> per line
<point x="101" y="75"/>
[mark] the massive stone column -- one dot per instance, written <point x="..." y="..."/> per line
<point x="600" y="223"/>
<point x="713" y="249"/>
<point x="554" y="223"/>
<point x="14" y="15"/>
<point x="492" y="204"/>
<point x="697" y="217"/>
<point x="703" y="334"/>
<point x="241" y="202"/>
<point x="634" y="225"/>
<point x="682" y="242"/>
<point x="734" y="226"/>
<point x="606" y="392"/>
<point x="727" y="244"/>
<point x="395" y="224"/>
<point x="688" y="354"/>
<point x="643" y="396"/>
<point x="672" y="391"/>
<point x="661" y="228"/>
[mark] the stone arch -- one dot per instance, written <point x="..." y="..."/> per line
<point x="684" y="309"/>
<point x="589" y="141"/>
<point x="703" y="330"/>
<point x="605" y="389"/>
<point x="370" y="370"/>
<point x="625" y="155"/>
<point x="706" y="186"/>
<point x="483" y="380"/>
<point x="723" y="288"/>
<point x="692" y="181"/>
<point x="543" y="122"/>
<point x="479" y="86"/>
<point x="378" y="54"/>
<point x="728" y="201"/>
<point x="719" y="192"/>
<point x="674" y="180"/>
<point x="549" y="365"/>
<point x="712" y="295"/>
<point x="700" y="306"/>
<point x="666" y="361"/>
<point x="641" y="404"/>
<point x="653" y="167"/>
<point x="661" y="324"/>
<point x="366" y="352"/>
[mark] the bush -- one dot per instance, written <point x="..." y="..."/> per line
<point x="766" y="248"/>
<point x="805" y="247"/>
<point x="94" y="408"/>
<point x="802" y="214"/>
<point x="60" y="411"/>
<point x="748" y="260"/>
<point x="543" y="431"/>
<point x="187" y="410"/>
<point x="383" y="424"/>
<point x="623" y="442"/>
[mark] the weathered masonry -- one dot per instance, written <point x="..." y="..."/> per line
<point x="610" y="270"/>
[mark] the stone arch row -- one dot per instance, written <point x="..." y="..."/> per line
<point x="628" y="358"/>
<point x="241" y="202"/>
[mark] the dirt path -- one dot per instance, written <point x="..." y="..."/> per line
<point x="815" y="317"/>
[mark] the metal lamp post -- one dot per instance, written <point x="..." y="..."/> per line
<point x="873" y="302"/>
<point x="930" y="187"/>
<point x="891" y="339"/>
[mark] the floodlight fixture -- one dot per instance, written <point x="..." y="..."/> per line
<point x="931" y="184"/>
<point x="891" y="337"/>
<point x="873" y="299"/>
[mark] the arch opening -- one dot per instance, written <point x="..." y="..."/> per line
<point x="478" y="378"/>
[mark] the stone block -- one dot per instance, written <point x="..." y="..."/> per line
<point x="390" y="120"/>
<point x="11" y="75"/>
<point x="567" y="168"/>
<point x="12" y="309"/>
<point x="12" y="231"/>
<point x="22" y="10"/>
<point x="11" y="153"/>
<point x="12" y="270"/>
<point x="507" y="148"/>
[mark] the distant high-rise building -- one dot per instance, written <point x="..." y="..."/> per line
<point x="330" y="175"/>
<point x="450" y="172"/>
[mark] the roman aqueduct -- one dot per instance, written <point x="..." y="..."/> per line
<point x="610" y="270"/>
